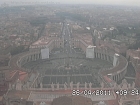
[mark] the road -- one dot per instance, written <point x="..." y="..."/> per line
<point x="66" y="36"/>
<point x="67" y="45"/>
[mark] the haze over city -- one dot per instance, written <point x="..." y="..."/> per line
<point x="110" y="2"/>
<point x="73" y="52"/>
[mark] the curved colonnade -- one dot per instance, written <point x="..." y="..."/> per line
<point x="119" y="69"/>
<point x="116" y="73"/>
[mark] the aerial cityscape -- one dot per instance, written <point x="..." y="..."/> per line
<point x="69" y="54"/>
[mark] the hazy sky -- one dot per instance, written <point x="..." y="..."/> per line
<point x="120" y="2"/>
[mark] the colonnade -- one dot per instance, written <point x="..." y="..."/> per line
<point x="115" y="77"/>
<point x="36" y="82"/>
<point x="118" y="71"/>
<point x="29" y="57"/>
<point x="103" y="56"/>
<point x="100" y="53"/>
<point x="63" y="86"/>
<point x="119" y="76"/>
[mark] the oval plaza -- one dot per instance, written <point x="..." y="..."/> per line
<point x="62" y="64"/>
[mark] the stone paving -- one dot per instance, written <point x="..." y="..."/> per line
<point x="53" y="70"/>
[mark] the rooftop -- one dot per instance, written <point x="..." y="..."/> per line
<point x="22" y="75"/>
<point x="134" y="53"/>
<point x="1" y="98"/>
<point x="43" y="41"/>
<point x="87" y="38"/>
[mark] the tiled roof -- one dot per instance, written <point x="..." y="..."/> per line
<point x="23" y="75"/>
